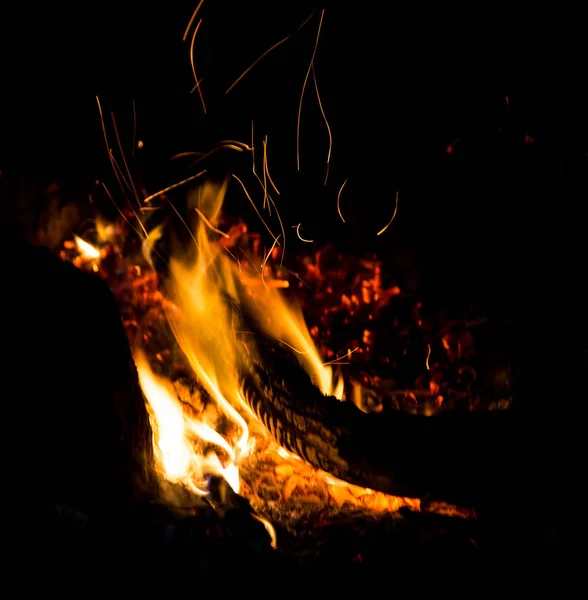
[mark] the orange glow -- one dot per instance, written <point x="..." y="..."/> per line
<point x="220" y="434"/>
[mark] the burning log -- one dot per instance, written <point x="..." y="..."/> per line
<point x="395" y="453"/>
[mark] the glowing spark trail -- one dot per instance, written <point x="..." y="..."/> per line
<point x="173" y="186"/>
<point x="297" y="227"/>
<point x="194" y="68"/>
<point x="339" y="200"/>
<point x="318" y="33"/>
<point x="268" y="51"/>
<point x="192" y="20"/>
<point x="318" y="97"/>
<point x="211" y="226"/>
<point x="428" y="356"/>
<point x="255" y="207"/>
<point x="392" y="219"/>
<point x="267" y="167"/>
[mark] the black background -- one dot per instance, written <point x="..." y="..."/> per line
<point x="499" y="220"/>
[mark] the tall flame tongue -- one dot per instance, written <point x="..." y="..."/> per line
<point x="192" y="444"/>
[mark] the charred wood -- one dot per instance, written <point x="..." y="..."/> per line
<point x="460" y="457"/>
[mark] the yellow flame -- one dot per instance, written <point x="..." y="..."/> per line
<point x="205" y="290"/>
<point x="88" y="251"/>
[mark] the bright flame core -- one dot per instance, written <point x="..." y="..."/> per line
<point x="205" y="290"/>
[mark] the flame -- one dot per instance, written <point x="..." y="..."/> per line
<point x="286" y="323"/>
<point x="86" y="250"/>
<point x="205" y="290"/>
<point x="216" y="433"/>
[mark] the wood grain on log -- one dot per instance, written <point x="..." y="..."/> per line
<point x="464" y="458"/>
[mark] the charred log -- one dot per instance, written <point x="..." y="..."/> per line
<point x="463" y="458"/>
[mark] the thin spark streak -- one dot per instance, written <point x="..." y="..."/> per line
<point x="192" y="21"/>
<point x="268" y="51"/>
<point x="265" y="194"/>
<point x="253" y="156"/>
<point x="253" y="204"/>
<point x="265" y="260"/>
<point x="269" y="253"/>
<point x="336" y="360"/>
<point x="184" y="223"/>
<point x="339" y="201"/>
<point x="392" y="219"/>
<point x="297" y="227"/>
<point x="122" y="214"/>
<point x="209" y="153"/>
<point x="282" y="228"/>
<point x="261" y="183"/>
<point x="318" y="33"/>
<point x="173" y="186"/>
<point x="428" y="355"/>
<point x="292" y="347"/>
<point x="120" y="177"/>
<point x="318" y="97"/>
<point x="211" y="226"/>
<point x="122" y="153"/>
<point x="267" y="167"/>
<point x="195" y="86"/>
<point x="109" y="150"/>
<point x="231" y="143"/>
<point x="249" y="259"/>
<point x="194" y="68"/>
<point x="298" y="277"/>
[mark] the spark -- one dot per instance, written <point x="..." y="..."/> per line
<point x="339" y="201"/>
<point x="268" y="51"/>
<point x="298" y="277"/>
<point x="267" y="167"/>
<point x="269" y="253"/>
<point x="318" y="97"/>
<point x="182" y="220"/>
<point x="109" y="151"/>
<point x="292" y="347"/>
<point x="116" y="170"/>
<point x="208" y="154"/>
<point x="120" y="176"/>
<point x="297" y="227"/>
<point x="336" y="360"/>
<point x="253" y="158"/>
<point x="281" y="227"/>
<point x="304" y="88"/>
<point x="265" y="260"/>
<point x="122" y="214"/>
<point x="253" y="204"/>
<point x="194" y="68"/>
<point x="173" y="186"/>
<point x="265" y="194"/>
<point x="192" y="18"/>
<point x="392" y="219"/>
<point x="130" y="176"/>
<point x="211" y="226"/>
<point x="428" y="355"/>
<point x="231" y="143"/>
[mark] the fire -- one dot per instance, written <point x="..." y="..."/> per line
<point x="206" y="290"/>
<point x="214" y="433"/>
